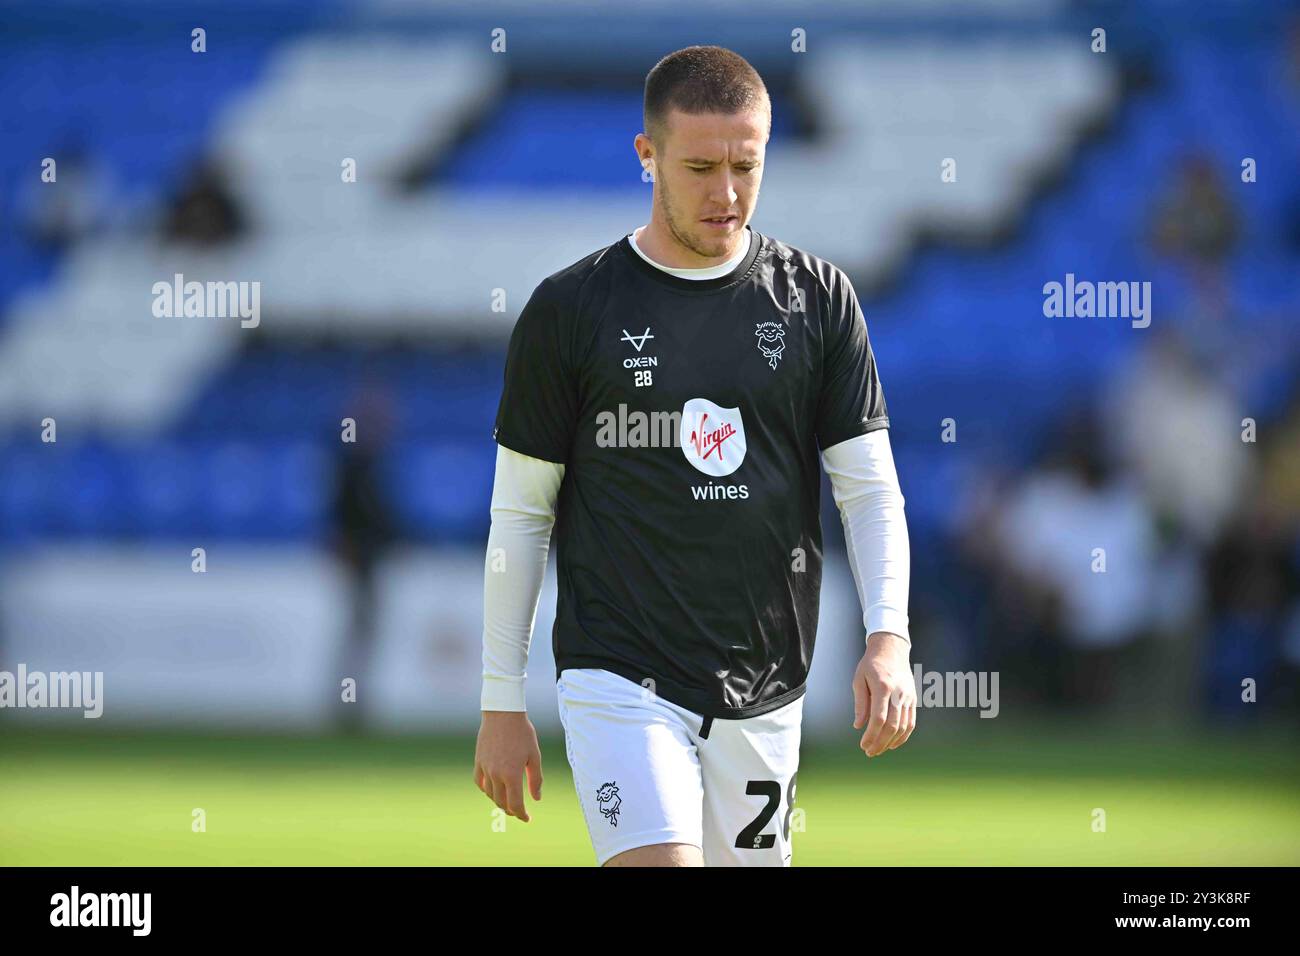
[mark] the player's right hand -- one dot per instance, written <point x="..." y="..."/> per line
<point x="506" y="749"/>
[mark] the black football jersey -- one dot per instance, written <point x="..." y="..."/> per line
<point x="689" y="414"/>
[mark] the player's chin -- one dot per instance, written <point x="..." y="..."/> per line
<point x="718" y="242"/>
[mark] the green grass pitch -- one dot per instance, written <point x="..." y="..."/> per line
<point x="966" y="796"/>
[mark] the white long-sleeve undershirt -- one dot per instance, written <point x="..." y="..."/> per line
<point x="524" y="492"/>
<point x="865" y="485"/>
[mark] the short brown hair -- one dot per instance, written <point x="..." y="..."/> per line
<point x="702" y="79"/>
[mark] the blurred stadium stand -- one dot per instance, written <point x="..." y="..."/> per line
<point x="480" y="172"/>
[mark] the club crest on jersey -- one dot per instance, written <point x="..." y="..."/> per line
<point x="712" y="437"/>
<point x="771" y="341"/>
<point x="610" y="802"/>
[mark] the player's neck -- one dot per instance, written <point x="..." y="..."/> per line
<point x="643" y="241"/>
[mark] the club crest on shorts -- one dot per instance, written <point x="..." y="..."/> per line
<point x="771" y="341"/>
<point x="610" y="803"/>
<point x="712" y="437"/>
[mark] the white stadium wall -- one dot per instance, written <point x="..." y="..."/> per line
<point x="254" y="641"/>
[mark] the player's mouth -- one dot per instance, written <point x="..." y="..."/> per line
<point x="721" y="223"/>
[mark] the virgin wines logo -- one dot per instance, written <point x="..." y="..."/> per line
<point x="706" y="442"/>
<point x="712" y="437"/>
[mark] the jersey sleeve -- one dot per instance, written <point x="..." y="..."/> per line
<point x="852" y="401"/>
<point x="538" y="413"/>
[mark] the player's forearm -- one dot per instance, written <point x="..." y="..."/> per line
<point x="512" y="583"/>
<point x="523" y="514"/>
<point x="871" y="506"/>
<point x="875" y="534"/>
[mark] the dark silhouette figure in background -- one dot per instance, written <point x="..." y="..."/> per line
<point x="1253" y="577"/>
<point x="1197" y="223"/>
<point x="205" y="212"/>
<point x="1248" y="573"/>
<point x="55" y="216"/>
<point x="363" y="532"/>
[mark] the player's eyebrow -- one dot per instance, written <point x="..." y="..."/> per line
<point x="714" y="162"/>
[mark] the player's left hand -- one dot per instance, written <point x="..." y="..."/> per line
<point x="884" y="691"/>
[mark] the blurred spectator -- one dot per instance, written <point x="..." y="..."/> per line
<point x="205" y="211"/>
<point x="1293" y="54"/>
<point x="1279" y="453"/>
<point x="1048" y="533"/>
<point x="1277" y="499"/>
<point x="1291" y="225"/>
<point x="1249" y="571"/>
<point x="1288" y="683"/>
<point x="363" y="531"/>
<point x="1172" y="424"/>
<point x="1014" y="622"/>
<point x="57" y="215"/>
<point x="1291" y="228"/>
<point x="1197" y="222"/>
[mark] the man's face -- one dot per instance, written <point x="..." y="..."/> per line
<point x="711" y="166"/>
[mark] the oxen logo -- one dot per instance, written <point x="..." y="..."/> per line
<point x="610" y="803"/>
<point x="712" y="437"/>
<point x="636" y="340"/>
<point x="771" y="341"/>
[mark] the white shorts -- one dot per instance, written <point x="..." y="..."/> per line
<point x="648" y="771"/>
